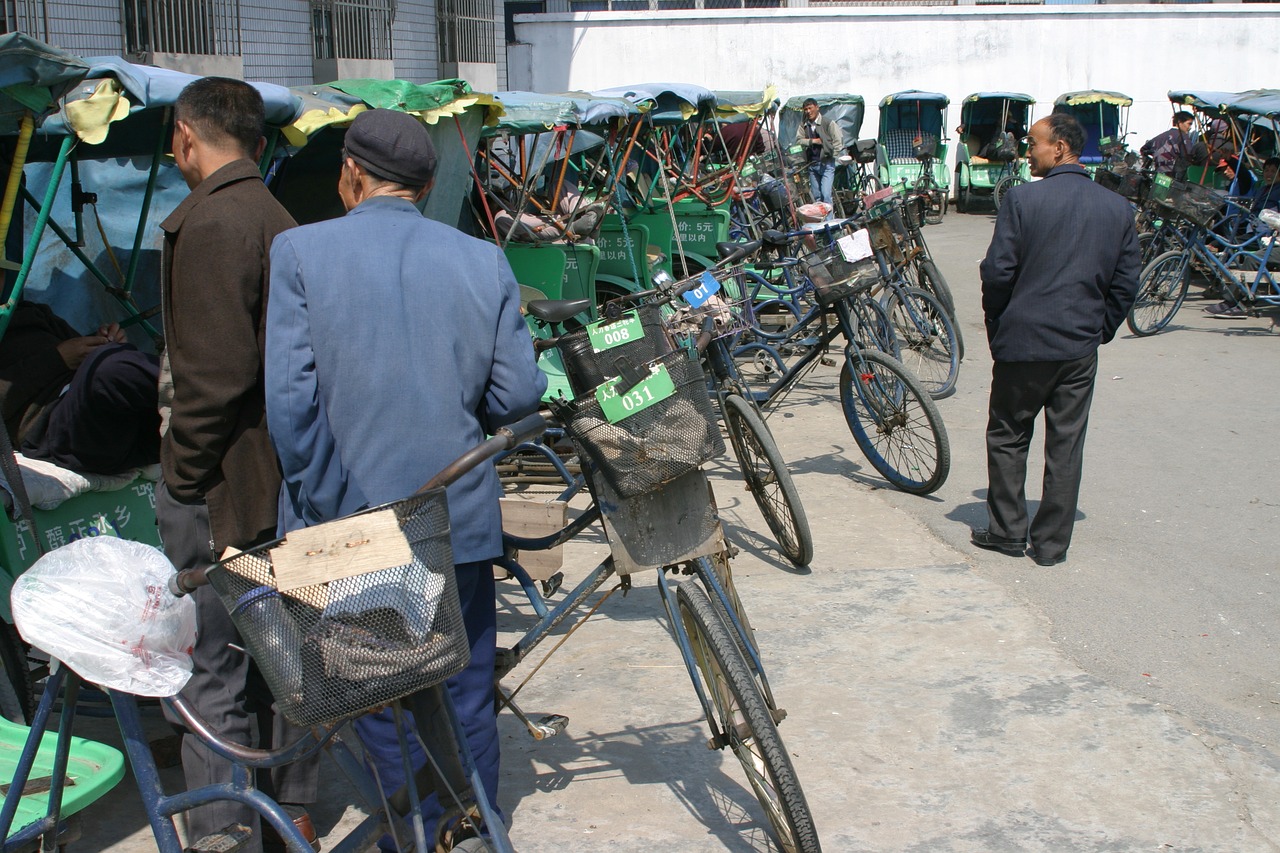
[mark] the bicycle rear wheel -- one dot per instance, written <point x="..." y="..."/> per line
<point x="1003" y="186"/>
<point x="926" y="339"/>
<point x="896" y="424"/>
<point x="1162" y="288"/>
<point x="767" y="477"/>
<point x="744" y="724"/>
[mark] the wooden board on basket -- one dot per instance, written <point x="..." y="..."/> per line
<point x="340" y="549"/>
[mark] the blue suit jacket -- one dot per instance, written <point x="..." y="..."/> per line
<point x="1061" y="271"/>
<point x="394" y="344"/>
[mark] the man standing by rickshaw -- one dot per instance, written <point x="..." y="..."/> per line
<point x="826" y="143"/>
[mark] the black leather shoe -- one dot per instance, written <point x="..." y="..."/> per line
<point x="984" y="539"/>
<point x="1047" y="561"/>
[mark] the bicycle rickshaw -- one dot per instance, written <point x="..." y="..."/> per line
<point x="913" y="147"/>
<point x="1213" y="136"/>
<point x="989" y="158"/>
<point x="856" y="177"/>
<point x="1105" y="119"/>
<point x="1208" y="232"/>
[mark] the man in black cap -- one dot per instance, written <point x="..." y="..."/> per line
<point x="394" y="345"/>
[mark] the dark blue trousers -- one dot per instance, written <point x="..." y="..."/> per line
<point x="472" y="694"/>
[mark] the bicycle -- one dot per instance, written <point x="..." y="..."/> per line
<point x="891" y="416"/>
<point x="927" y="187"/>
<point x="658" y="514"/>
<point x="1241" y="266"/>
<point x="387" y="631"/>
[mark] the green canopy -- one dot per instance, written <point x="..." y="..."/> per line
<point x="1093" y="96"/>
<point x="33" y="76"/>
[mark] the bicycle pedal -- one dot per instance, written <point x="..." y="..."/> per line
<point x="549" y="726"/>
<point x="229" y="839"/>
<point x="552" y="585"/>
<point x="778" y="714"/>
<point x="827" y="361"/>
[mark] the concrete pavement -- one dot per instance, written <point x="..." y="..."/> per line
<point x="929" y="709"/>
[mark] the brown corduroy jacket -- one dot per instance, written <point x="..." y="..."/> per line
<point x="215" y="272"/>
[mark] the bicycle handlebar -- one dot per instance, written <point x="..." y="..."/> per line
<point x="187" y="581"/>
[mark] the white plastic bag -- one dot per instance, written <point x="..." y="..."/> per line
<point x="102" y="606"/>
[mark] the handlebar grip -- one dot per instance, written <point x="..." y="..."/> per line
<point x="188" y="581"/>
<point x="525" y="429"/>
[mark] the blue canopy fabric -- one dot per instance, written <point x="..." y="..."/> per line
<point x="33" y="76"/>
<point x="1007" y="96"/>
<point x="665" y="103"/>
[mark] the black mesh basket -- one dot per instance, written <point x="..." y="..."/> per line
<point x="1197" y="203"/>
<point x="834" y="278"/>
<point x="1132" y="184"/>
<point x="587" y="368"/>
<point x="336" y="649"/>
<point x="655" y="445"/>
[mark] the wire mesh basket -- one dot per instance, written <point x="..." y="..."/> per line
<point x="335" y="648"/>
<point x="835" y="278"/>
<point x="796" y="156"/>
<point x="1132" y="183"/>
<point x="1199" y="204"/>
<point x="587" y="367"/>
<point x="657" y="443"/>
<point x="729" y="308"/>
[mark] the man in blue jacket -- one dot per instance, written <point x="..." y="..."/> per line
<point x="1057" y="282"/>
<point x="395" y="344"/>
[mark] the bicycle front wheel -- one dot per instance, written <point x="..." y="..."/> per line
<point x="896" y="424"/>
<point x="744" y="724"/>
<point x="924" y="274"/>
<point x="1003" y="186"/>
<point x="1161" y="291"/>
<point x="926" y="339"/>
<point x="770" y="482"/>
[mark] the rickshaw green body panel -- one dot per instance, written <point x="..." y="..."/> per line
<point x="903" y="117"/>
<point x="130" y="510"/>
<point x="623" y="253"/>
<point x="982" y="115"/>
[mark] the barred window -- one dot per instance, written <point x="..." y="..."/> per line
<point x="210" y="27"/>
<point x="648" y="5"/>
<point x="352" y="29"/>
<point x="27" y="16"/>
<point x="467" y="31"/>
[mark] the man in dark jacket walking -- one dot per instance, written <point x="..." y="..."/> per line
<point x="1057" y="282"/>
<point x="221" y="478"/>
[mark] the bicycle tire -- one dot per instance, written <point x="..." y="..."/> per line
<point x="936" y="208"/>
<point x="1162" y="288"/>
<point x="746" y="723"/>
<point x="926" y="339"/>
<point x="924" y="274"/>
<point x="770" y="482"/>
<point x="1003" y="186"/>
<point x="888" y="408"/>
<point x="875" y="331"/>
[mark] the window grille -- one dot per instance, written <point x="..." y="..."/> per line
<point x="352" y="29"/>
<point x="466" y="31"/>
<point x="210" y="27"/>
<point x="27" y="16"/>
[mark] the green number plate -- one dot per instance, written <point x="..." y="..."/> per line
<point x="1164" y="180"/>
<point x="606" y="336"/>
<point x="654" y="389"/>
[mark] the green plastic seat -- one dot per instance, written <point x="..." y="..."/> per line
<point x="93" y="769"/>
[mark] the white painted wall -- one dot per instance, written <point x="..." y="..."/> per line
<point x="1141" y="50"/>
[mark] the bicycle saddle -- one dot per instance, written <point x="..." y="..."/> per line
<point x="775" y="238"/>
<point x="735" y="251"/>
<point x="557" y="310"/>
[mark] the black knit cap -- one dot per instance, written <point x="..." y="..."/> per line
<point x="393" y="146"/>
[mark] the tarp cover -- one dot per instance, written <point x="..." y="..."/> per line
<point x="846" y="110"/>
<point x="914" y="95"/>
<point x="665" y="103"/>
<point x="1093" y="96"/>
<point x="533" y="112"/>
<point x="1262" y="102"/>
<point x="735" y="105"/>
<point x="1204" y="100"/>
<point x="33" y="76"/>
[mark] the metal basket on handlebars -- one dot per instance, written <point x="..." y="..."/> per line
<point x="1132" y="183"/>
<point x="671" y="430"/>
<point x="835" y="277"/>
<point x="1199" y="204"/>
<point x="587" y="367"/>
<point x="796" y="156"/>
<point x="338" y="647"/>
<point x="729" y="308"/>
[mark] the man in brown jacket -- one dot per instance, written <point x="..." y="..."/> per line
<point x="221" y="477"/>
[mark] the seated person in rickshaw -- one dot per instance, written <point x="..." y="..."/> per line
<point x="85" y="402"/>
<point x="1265" y="196"/>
